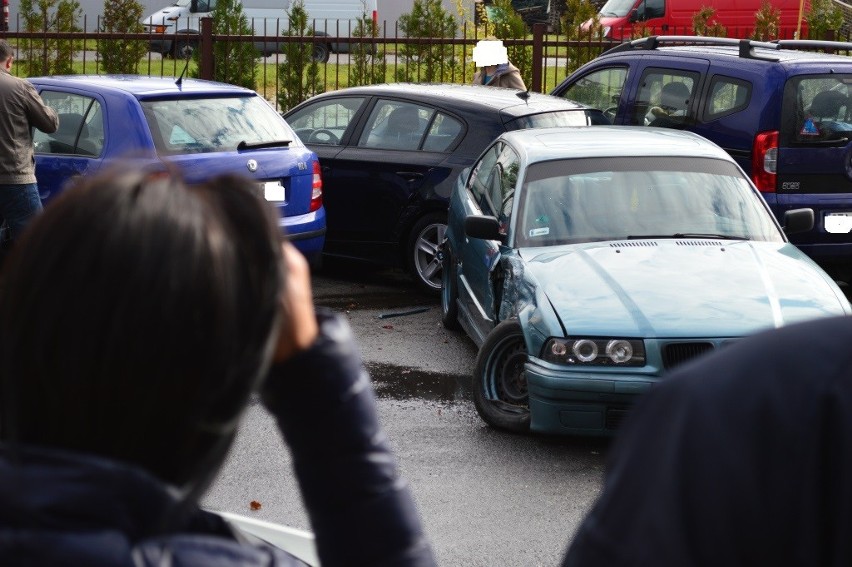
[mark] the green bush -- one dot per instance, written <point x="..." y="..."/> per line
<point x="233" y="62"/>
<point x="366" y="59"/>
<point x="577" y="13"/>
<point x="121" y="55"/>
<point x="704" y="23"/>
<point x="822" y="16"/>
<point x="428" y="63"/>
<point x="49" y="56"/>
<point x="767" y="22"/>
<point x="298" y="77"/>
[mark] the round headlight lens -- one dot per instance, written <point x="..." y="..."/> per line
<point x="619" y="351"/>
<point x="558" y="348"/>
<point x="585" y="350"/>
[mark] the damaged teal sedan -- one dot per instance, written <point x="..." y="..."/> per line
<point x="588" y="262"/>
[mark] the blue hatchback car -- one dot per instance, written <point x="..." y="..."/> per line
<point x="201" y="128"/>
<point x="587" y="262"/>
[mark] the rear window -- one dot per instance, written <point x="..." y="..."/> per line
<point x="817" y="110"/>
<point x="201" y="125"/>
<point x="587" y="117"/>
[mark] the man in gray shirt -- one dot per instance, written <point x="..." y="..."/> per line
<point x="21" y="109"/>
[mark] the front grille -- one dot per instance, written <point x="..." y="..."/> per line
<point x="677" y="353"/>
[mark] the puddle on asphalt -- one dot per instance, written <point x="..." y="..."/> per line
<point x="401" y="383"/>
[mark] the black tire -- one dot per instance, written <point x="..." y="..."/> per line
<point x="321" y="53"/>
<point x="449" y="292"/>
<point x="499" y="379"/>
<point x="184" y="49"/>
<point x="423" y="261"/>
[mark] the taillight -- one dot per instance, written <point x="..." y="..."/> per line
<point x="764" y="161"/>
<point x="316" y="188"/>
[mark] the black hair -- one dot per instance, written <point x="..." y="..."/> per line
<point x="137" y="314"/>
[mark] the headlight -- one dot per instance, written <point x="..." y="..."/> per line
<point x="595" y="351"/>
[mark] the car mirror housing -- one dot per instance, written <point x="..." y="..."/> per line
<point x="798" y="220"/>
<point x="484" y="227"/>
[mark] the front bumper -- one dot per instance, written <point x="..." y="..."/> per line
<point x="581" y="402"/>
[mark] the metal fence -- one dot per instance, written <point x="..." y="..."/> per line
<point x="552" y="56"/>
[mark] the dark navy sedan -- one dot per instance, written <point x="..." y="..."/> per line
<point x="391" y="154"/>
<point x="201" y="128"/>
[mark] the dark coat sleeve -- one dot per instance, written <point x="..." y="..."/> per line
<point x="361" y="511"/>
<point x="740" y="458"/>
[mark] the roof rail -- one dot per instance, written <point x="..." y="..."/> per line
<point x="811" y="44"/>
<point x="746" y="46"/>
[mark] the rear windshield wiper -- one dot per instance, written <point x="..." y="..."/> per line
<point x="686" y="235"/>
<point x="257" y="145"/>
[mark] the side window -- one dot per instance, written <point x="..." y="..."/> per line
<point x="508" y="165"/>
<point x="817" y="108"/>
<point x="81" y="127"/>
<point x="654" y="9"/>
<point x="599" y="89"/>
<point x="664" y="98"/>
<point x="442" y="134"/>
<point x="482" y="178"/>
<point x="727" y="96"/>
<point x="395" y="125"/>
<point x="325" y="122"/>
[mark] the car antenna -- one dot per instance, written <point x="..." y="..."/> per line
<point x="523" y="95"/>
<point x="179" y="81"/>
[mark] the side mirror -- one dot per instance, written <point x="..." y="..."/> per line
<point x="484" y="227"/>
<point x="798" y="220"/>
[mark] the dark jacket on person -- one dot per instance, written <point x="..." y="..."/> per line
<point x="506" y="75"/>
<point x="742" y="458"/>
<point x="21" y="109"/>
<point x="58" y="508"/>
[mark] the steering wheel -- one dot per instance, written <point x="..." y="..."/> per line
<point x="323" y="136"/>
<point x="610" y="112"/>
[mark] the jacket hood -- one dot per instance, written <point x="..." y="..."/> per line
<point x="682" y="288"/>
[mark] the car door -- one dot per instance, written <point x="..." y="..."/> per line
<point x="77" y="146"/>
<point x="490" y="188"/>
<point x="666" y="96"/>
<point x="401" y="149"/>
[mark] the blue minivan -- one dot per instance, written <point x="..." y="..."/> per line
<point x="201" y="128"/>
<point x="781" y="109"/>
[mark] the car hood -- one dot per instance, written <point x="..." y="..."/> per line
<point x="681" y="288"/>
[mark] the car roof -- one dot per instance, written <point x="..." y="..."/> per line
<point x="141" y="86"/>
<point x="465" y="97"/>
<point x="543" y="144"/>
<point x="785" y="52"/>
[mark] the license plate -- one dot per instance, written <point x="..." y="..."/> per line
<point x="273" y="191"/>
<point x="838" y="223"/>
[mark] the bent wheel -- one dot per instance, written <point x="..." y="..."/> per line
<point x="499" y="380"/>
<point x="449" y="292"/>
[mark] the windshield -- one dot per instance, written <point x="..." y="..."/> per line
<point x="195" y="125"/>
<point x="617" y="8"/>
<point x="585" y="200"/>
<point x="580" y="117"/>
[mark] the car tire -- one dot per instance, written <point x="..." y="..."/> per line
<point x="449" y="292"/>
<point x="424" y="263"/>
<point x="499" y="380"/>
<point x="321" y="53"/>
<point x="184" y="49"/>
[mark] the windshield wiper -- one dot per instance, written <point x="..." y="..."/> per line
<point x="256" y="145"/>
<point x="686" y="235"/>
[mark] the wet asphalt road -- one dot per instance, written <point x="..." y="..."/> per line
<point x="487" y="498"/>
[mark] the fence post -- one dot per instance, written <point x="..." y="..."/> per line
<point x="538" y="55"/>
<point x="205" y="63"/>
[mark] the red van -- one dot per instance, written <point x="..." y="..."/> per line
<point x="674" y="17"/>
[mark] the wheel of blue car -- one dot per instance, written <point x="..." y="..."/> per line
<point x="449" y="291"/>
<point x="499" y="379"/>
<point x="422" y="251"/>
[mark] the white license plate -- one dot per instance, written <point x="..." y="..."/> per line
<point x="838" y="223"/>
<point x="273" y="191"/>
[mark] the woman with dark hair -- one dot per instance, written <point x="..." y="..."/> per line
<point x="137" y="316"/>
